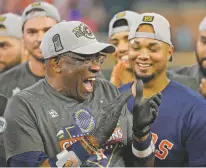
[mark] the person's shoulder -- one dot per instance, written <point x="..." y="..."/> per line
<point x="32" y="92"/>
<point x="188" y="81"/>
<point x="105" y="86"/>
<point x="13" y="71"/>
<point x="186" y="94"/>
<point x="185" y="70"/>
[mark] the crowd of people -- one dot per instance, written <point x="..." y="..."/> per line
<point x="58" y="110"/>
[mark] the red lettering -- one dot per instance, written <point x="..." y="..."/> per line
<point x="154" y="138"/>
<point x="164" y="146"/>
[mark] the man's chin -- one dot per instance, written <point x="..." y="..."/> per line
<point x="84" y="97"/>
<point x="39" y="57"/>
<point x="145" y="78"/>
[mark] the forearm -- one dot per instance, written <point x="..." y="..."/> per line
<point x="143" y="151"/>
<point x="74" y="155"/>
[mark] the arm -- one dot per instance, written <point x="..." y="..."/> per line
<point x="144" y="113"/>
<point x="21" y="134"/>
<point x="23" y="129"/>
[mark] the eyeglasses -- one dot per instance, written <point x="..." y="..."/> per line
<point x="89" y="60"/>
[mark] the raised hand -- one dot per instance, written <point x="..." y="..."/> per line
<point x="108" y="117"/>
<point x="145" y="111"/>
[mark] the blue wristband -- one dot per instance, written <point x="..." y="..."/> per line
<point x="145" y="150"/>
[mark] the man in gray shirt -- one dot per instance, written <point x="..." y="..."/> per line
<point x="37" y="18"/>
<point x="198" y="70"/>
<point x="73" y="118"/>
<point x="11" y="45"/>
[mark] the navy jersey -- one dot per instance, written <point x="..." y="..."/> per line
<point x="179" y="131"/>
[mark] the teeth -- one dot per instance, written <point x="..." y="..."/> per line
<point x="124" y="57"/>
<point x="92" y="79"/>
<point x="144" y="65"/>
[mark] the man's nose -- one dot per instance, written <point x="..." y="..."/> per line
<point x="95" y="67"/>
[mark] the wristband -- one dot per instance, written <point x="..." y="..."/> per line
<point x="144" y="151"/>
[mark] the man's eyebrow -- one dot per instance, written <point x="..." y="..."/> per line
<point x="3" y="42"/>
<point x="154" y="44"/>
<point x="203" y="37"/>
<point x="36" y="29"/>
<point x="114" y="39"/>
<point x="150" y="44"/>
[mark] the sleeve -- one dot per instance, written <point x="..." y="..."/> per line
<point x="21" y="134"/>
<point x="31" y="159"/>
<point x="196" y="137"/>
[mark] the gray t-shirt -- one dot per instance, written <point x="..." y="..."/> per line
<point x="41" y="119"/>
<point x="16" y="79"/>
<point x="191" y="71"/>
<point x="185" y="80"/>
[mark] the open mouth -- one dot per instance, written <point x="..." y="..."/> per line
<point x="89" y="84"/>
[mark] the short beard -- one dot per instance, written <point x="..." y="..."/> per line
<point x="9" y="67"/>
<point x="145" y="79"/>
<point x="200" y="61"/>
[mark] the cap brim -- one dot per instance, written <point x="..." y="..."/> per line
<point x="95" y="47"/>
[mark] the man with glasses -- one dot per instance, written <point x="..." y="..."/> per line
<point x="73" y="118"/>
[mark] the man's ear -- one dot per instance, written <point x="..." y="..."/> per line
<point x="170" y="53"/>
<point x="55" y="63"/>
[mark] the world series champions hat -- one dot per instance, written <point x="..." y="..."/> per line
<point x="10" y="24"/>
<point x="73" y="36"/>
<point x="42" y="9"/>
<point x="160" y="25"/>
<point x="128" y="16"/>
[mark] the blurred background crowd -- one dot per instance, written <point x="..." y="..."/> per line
<point x="183" y="15"/>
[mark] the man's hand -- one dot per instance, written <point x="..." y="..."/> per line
<point x="145" y="111"/>
<point x="203" y="88"/>
<point x="108" y="117"/>
<point x="120" y="75"/>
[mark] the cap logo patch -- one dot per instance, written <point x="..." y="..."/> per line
<point x="120" y="15"/>
<point x="36" y="4"/>
<point x="148" y="18"/>
<point x="57" y="43"/>
<point x="2" y="18"/>
<point x="83" y="30"/>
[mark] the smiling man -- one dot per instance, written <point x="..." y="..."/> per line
<point x="119" y="28"/>
<point x="198" y="71"/>
<point x="73" y="118"/>
<point x="179" y="131"/>
<point x="37" y="18"/>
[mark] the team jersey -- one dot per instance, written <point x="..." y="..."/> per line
<point x="179" y="131"/>
<point x="16" y="79"/>
<point x="42" y="119"/>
